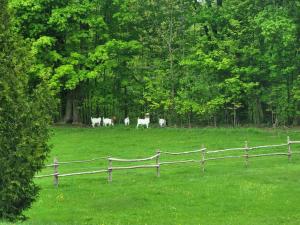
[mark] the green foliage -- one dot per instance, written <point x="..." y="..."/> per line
<point x="24" y="119"/>
<point x="173" y="58"/>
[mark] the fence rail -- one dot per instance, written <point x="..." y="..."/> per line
<point x="183" y="153"/>
<point x="225" y="157"/>
<point x="133" y="160"/>
<point x="202" y="159"/>
<point x="82" y="173"/>
<point x="79" y="161"/>
<point x="180" y="161"/>
<point x="133" y="167"/>
<point x="225" y="150"/>
<point x="269" y="146"/>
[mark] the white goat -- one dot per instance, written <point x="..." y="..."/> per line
<point x="96" y="121"/>
<point x="162" y="122"/>
<point x="126" y="121"/>
<point x="107" y="121"/>
<point x="145" y="122"/>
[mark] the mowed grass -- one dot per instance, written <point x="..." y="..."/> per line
<point x="267" y="192"/>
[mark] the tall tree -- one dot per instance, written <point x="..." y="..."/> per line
<point x="24" y="123"/>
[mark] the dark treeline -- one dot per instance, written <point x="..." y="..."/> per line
<point x="190" y="61"/>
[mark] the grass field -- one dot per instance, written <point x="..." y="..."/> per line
<point x="267" y="192"/>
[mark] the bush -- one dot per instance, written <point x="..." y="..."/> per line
<point x="24" y="120"/>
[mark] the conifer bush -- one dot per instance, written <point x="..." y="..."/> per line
<point x="24" y="123"/>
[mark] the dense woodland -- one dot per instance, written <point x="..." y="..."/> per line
<point x="193" y="62"/>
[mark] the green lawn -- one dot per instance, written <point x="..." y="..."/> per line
<point x="267" y="192"/>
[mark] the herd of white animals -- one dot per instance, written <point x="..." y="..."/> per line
<point x="140" y="122"/>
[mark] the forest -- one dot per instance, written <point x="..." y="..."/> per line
<point x="193" y="62"/>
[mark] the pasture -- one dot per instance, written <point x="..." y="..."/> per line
<point x="267" y="192"/>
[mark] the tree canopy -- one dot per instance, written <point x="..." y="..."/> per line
<point x="202" y="62"/>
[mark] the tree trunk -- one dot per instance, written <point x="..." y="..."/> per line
<point x="215" y="121"/>
<point x="234" y="116"/>
<point x="190" y="118"/>
<point x="68" y="117"/>
<point x="71" y="108"/>
<point x="219" y="2"/>
<point x="125" y="102"/>
<point x="171" y="65"/>
<point x="75" y="114"/>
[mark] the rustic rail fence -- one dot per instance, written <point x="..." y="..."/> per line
<point x="202" y="152"/>
<point x="111" y="168"/>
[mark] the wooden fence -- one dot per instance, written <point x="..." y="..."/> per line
<point x="156" y="163"/>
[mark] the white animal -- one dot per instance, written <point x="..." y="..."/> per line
<point x="144" y="122"/>
<point x="96" y="121"/>
<point x="162" y="122"/>
<point x="126" y="121"/>
<point x="107" y="122"/>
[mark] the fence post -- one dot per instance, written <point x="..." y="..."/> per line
<point x="157" y="163"/>
<point x="109" y="170"/>
<point x="289" y="149"/>
<point x="55" y="166"/>
<point x="203" y="158"/>
<point x="246" y="154"/>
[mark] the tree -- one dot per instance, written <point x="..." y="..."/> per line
<point x="24" y="120"/>
<point x="63" y="33"/>
<point x="172" y="58"/>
